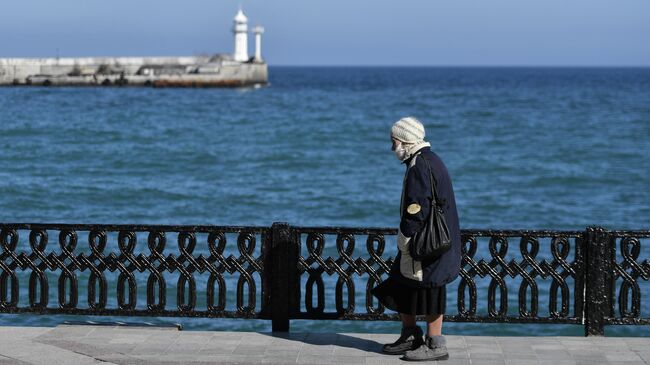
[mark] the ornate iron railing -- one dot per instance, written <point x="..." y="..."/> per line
<point x="626" y="272"/>
<point x="283" y="272"/>
<point x="216" y="259"/>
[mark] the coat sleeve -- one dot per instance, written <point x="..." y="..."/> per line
<point x="417" y="199"/>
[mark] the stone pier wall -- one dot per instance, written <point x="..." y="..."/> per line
<point x="134" y="71"/>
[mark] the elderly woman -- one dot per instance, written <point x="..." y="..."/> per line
<point x="418" y="287"/>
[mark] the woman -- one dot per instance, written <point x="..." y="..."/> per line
<point x="418" y="287"/>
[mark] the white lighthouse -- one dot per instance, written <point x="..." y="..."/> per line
<point x="240" y="28"/>
<point x="258" y="42"/>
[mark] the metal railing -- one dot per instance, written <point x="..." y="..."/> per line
<point x="282" y="272"/>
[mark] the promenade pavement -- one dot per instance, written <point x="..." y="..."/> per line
<point x="88" y="344"/>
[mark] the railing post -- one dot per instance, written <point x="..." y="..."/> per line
<point x="597" y="280"/>
<point x="280" y="276"/>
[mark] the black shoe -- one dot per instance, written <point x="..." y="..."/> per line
<point x="428" y="351"/>
<point x="410" y="339"/>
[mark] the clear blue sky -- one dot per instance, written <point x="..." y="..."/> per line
<point x="338" y="32"/>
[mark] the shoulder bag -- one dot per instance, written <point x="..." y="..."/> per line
<point x="433" y="240"/>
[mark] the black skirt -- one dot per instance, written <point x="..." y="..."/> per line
<point x="408" y="300"/>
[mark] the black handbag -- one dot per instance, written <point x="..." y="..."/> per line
<point x="433" y="240"/>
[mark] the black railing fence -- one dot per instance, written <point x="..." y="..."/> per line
<point x="593" y="277"/>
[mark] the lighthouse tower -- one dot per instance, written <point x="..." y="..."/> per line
<point x="258" y="42"/>
<point x="240" y="28"/>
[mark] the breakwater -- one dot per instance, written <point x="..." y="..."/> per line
<point x="592" y="278"/>
<point x="200" y="71"/>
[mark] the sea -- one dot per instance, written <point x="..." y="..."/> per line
<point x="527" y="148"/>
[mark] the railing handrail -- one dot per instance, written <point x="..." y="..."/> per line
<point x="133" y="227"/>
<point x="143" y="227"/>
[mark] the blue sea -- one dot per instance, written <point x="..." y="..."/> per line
<point x="527" y="148"/>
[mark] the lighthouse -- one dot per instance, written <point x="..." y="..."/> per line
<point x="258" y="43"/>
<point x="240" y="29"/>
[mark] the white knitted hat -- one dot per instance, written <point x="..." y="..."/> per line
<point x="408" y="130"/>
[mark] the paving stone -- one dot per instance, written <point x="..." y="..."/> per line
<point x="190" y="348"/>
<point x="634" y="341"/>
<point x="80" y="345"/>
<point x="74" y="330"/>
<point x="645" y="355"/>
<point x="385" y="337"/>
<point x="10" y="361"/>
<point x="288" y="335"/>
<point x="278" y="360"/>
<point x="594" y="355"/>
<point x="163" y="338"/>
<point x="624" y="357"/>
<point x="484" y="341"/>
<point x="305" y="358"/>
<point x="215" y="350"/>
<point x="134" y="338"/>
<point x="348" y="359"/>
<point x="553" y="355"/>
<point x="362" y="336"/>
<point x="485" y="356"/>
<point x="296" y="346"/>
<point x="454" y="361"/>
<point x="521" y="362"/>
<point x="455" y="342"/>
<point x="245" y="359"/>
<point x="519" y="355"/>
<point x="574" y="346"/>
<point x="591" y="362"/>
<point x="383" y="361"/>
<point x="547" y="347"/>
<point x="349" y="351"/>
<point x="317" y="349"/>
<point x="484" y="349"/>
<point x="489" y="362"/>
<point x="314" y="340"/>
<point x="522" y="349"/>
<point x="123" y="360"/>
<point x="193" y="340"/>
<point x="118" y="349"/>
<point x="228" y="335"/>
<point x="16" y="333"/>
<point x="346" y="341"/>
<point x="150" y="349"/>
<point x="458" y="353"/>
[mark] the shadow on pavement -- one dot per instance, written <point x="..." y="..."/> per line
<point x="335" y="339"/>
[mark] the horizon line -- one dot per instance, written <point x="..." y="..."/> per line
<point x="461" y="66"/>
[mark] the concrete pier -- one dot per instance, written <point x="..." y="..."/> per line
<point x="86" y="344"/>
<point x="199" y="71"/>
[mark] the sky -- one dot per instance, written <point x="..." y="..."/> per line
<point x="340" y="32"/>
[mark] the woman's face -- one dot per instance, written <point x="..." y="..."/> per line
<point x="395" y="143"/>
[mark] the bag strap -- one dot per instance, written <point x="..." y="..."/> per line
<point x="433" y="183"/>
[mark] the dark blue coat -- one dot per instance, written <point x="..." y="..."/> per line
<point x="417" y="190"/>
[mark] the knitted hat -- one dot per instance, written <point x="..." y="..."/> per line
<point x="408" y="130"/>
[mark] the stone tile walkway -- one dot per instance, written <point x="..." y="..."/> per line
<point x="86" y="344"/>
